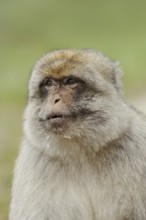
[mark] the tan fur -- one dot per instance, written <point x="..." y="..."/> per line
<point x="90" y="164"/>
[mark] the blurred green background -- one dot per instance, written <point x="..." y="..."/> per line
<point x="30" y="28"/>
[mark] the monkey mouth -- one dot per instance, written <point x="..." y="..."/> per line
<point x="55" y="118"/>
<point x="58" y="120"/>
<point x="57" y="123"/>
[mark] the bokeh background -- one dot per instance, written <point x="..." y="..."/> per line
<point x="30" y="28"/>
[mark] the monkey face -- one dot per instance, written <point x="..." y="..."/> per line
<point x="74" y="93"/>
<point x="58" y="99"/>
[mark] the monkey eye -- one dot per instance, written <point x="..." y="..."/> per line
<point x="45" y="85"/>
<point x="47" y="82"/>
<point x="69" y="81"/>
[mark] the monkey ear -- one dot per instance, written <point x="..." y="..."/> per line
<point x="110" y="70"/>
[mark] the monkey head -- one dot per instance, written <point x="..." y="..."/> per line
<point x="75" y="94"/>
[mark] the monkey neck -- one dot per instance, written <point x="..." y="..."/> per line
<point x="76" y="150"/>
<point x="72" y="155"/>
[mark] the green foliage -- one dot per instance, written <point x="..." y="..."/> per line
<point x="31" y="28"/>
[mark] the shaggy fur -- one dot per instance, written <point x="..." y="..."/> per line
<point x="93" y="167"/>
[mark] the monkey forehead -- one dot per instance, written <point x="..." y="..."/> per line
<point x="60" y="63"/>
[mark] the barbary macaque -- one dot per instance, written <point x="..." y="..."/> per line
<point x="83" y="154"/>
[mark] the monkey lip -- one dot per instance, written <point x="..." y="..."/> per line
<point x="57" y="119"/>
<point x="52" y="117"/>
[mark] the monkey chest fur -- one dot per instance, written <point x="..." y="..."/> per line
<point x="53" y="190"/>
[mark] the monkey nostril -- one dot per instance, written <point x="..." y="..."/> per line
<point x="56" y="100"/>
